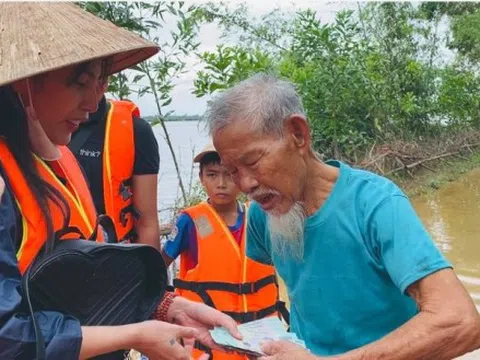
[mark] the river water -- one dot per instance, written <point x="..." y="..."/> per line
<point x="188" y="137"/>
<point x="451" y="214"/>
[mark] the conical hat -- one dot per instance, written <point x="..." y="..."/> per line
<point x="37" y="37"/>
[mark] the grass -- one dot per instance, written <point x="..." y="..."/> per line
<point x="426" y="181"/>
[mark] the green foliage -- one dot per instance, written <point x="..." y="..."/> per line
<point x="466" y="35"/>
<point x="459" y="97"/>
<point x="196" y="195"/>
<point x="270" y="31"/>
<point x="122" y="13"/>
<point x="227" y="66"/>
<point x="128" y="15"/>
<point x="157" y="75"/>
<point x="373" y="75"/>
<point x="450" y="8"/>
<point x="465" y="25"/>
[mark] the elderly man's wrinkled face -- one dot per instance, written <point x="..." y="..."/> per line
<point x="271" y="170"/>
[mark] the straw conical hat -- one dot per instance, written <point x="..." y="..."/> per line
<point x="38" y="37"/>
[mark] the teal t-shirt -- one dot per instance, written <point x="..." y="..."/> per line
<point x="362" y="250"/>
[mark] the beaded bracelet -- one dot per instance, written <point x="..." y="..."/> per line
<point x="162" y="309"/>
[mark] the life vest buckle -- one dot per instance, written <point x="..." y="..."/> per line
<point x="246" y="288"/>
<point x="243" y="317"/>
<point x="129" y="209"/>
<point x="125" y="192"/>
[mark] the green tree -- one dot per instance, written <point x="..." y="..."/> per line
<point x="126" y="15"/>
<point x="227" y="66"/>
<point x="465" y="25"/>
<point x="157" y="75"/>
<point x="372" y="75"/>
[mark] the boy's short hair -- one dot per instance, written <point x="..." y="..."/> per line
<point x="208" y="159"/>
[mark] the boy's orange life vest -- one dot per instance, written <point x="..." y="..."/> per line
<point x="224" y="277"/>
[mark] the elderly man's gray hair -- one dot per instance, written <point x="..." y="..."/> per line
<point x="262" y="101"/>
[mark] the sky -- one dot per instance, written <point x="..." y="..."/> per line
<point x="184" y="102"/>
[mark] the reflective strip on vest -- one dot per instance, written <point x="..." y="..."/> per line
<point x="76" y="193"/>
<point x="118" y="162"/>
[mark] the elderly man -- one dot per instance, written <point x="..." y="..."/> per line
<point x="364" y="277"/>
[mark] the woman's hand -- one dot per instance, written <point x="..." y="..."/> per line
<point x="155" y="339"/>
<point x="202" y="318"/>
<point x="162" y="341"/>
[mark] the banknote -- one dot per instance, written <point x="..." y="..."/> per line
<point x="254" y="333"/>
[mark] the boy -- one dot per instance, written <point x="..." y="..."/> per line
<point x="210" y="240"/>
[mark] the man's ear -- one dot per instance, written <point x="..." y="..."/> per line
<point x="297" y="128"/>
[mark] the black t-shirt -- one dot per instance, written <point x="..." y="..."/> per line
<point x="90" y="154"/>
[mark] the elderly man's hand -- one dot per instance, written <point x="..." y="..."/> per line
<point x="285" y="350"/>
<point x="201" y="317"/>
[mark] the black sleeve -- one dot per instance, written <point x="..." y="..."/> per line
<point x="147" y="158"/>
<point x="62" y="333"/>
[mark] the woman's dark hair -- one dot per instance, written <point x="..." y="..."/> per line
<point x="14" y="131"/>
<point x="83" y="67"/>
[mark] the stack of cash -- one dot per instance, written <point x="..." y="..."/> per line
<point x="254" y="333"/>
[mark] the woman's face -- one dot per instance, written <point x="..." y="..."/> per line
<point x="63" y="98"/>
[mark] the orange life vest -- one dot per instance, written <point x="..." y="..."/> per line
<point x="118" y="162"/>
<point x="75" y="192"/>
<point x="224" y="277"/>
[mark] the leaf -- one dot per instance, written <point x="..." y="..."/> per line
<point x="166" y="103"/>
<point x="137" y="68"/>
<point x="144" y="90"/>
<point x="137" y="78"/>
<point x="171" y="9"/>
<point x="154" y="24"/>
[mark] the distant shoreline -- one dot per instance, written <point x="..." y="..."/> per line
<point x="176" y="118"/>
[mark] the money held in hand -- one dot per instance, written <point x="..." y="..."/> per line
<point x="254" y="333"/>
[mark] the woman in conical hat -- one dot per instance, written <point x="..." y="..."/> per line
<point x="53" y="57"/>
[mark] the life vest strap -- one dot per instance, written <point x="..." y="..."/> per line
<point x="239" y="289"/>
<point x="109" y="229"/>
<point x="244" y="317"/>
<point x="69" y="230"/>
<point x="199" y="346"/>
<point x="282" y="309"/>
<point x="201" y="287"/>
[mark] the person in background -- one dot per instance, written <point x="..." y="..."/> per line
<point x="119" y="154"/>
<point x="210" y="239"/>
<point x="55" y="55"/>
<point x="364" y="277"/>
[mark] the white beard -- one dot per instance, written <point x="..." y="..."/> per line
<point x="287" y="232"/>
